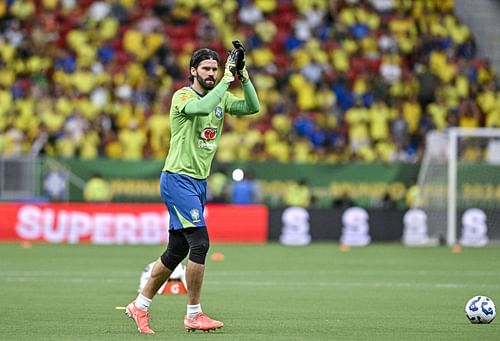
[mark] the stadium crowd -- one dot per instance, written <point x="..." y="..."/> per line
<point x="338" y="80"/>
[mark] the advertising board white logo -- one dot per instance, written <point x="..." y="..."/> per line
<point x="73" y="226"/>
<point x="295" y="226"/>
<point x="356" y="228"/>
<point x="474" y="231"/>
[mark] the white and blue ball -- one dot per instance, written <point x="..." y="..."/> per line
<point x="480" y="309"/>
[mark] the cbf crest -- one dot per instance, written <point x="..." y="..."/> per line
<point x="218" y="113"/>
<point x="195" y="215"/>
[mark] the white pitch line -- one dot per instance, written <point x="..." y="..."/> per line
<point x="461" y="273"/>
<point x="22" y="279"/>
<point x="266" y="283"/>
<point x="406" y="285"/>
<point x="258" y="273"/>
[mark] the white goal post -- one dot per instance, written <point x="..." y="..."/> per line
<point x="476" y="153"/>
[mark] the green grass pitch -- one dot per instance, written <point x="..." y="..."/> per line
<point x="261" y="292"/>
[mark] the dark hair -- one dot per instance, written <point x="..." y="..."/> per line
<point x="201" y="55"/>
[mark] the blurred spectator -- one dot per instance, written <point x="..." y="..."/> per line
<point x="13" y="141"/>
<point x="217" y="187"/>
<point x="413" y="198"/>
<point x="400" y="128"/>
<point x="382" y="5"/>
<point x="298" y="194"/>
<point x="246" y="191"/>
<point x="249" y="13"/>
<point x="390" y="68"/>
<point x="97" y="189"/>
<point x="469" y="115"/>
<point x="428" y="83"/>
<point x="343" y="201"/>
<point x="388" y="202"/>
<point x="133" y="141"/>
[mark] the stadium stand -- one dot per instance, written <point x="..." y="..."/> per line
<point x="338" y="80"/>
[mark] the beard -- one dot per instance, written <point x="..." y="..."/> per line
<point x="204" y="82"/>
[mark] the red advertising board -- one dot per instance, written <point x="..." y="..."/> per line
<point x="123" y="223"/>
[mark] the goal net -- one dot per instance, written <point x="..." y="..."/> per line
<point x="459" y="186"/>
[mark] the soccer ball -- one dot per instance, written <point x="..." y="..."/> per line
<point x="480" y="309"/>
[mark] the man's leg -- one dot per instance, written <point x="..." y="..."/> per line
<point x="177" y="250"/>
<point x="194" y="280"/>
<point x="197" y="238"/>
<point x="159" y="275"/>
<point x="198" y="245"/>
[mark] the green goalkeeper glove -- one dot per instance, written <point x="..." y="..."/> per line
<point x="243" y="75"/>
<point x="240" y="63"/>
<point x="230" y="68"/>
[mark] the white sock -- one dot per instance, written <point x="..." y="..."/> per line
<point x="192" y="310"/>
<point x="142" y="302"/>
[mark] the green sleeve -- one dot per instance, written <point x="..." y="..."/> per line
<point x="248" y="106"/>
<point x="205" y="105"/>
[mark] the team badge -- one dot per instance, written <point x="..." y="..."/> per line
<point x="218" y="113"/>
<point x="208" y="133"/>
<point x="195" y="215"/>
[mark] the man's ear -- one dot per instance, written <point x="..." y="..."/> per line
<point x="193" y="71"/>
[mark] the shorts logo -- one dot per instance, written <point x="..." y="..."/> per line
<point x="208" y="134"/>
<point x="218" y="113"/>
<point x="195" y="215"/>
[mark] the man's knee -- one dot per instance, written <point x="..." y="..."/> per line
<point x="171" y="258"/>
<point x="198" y="252"/>
<point x="199" y="245"/>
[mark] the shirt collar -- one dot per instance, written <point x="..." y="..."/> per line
<point x="199" y="94"/>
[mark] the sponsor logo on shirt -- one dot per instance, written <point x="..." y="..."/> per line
<point x="218" y="113"/>
<point x="208" y="134"/>
<point x="207" y="145"/>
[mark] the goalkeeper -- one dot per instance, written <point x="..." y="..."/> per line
<point x="196" y="120"/>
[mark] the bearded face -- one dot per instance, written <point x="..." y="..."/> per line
<point x="205" y="75"/>
<point x="207" y="83"/>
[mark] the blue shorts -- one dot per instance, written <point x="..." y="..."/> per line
<point x="185" y="198"/>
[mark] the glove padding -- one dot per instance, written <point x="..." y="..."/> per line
<point x="240" y="49"/>
<point x="230" y="67"/>
<point x="240" y="62"/>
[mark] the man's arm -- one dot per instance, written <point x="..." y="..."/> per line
<point x="248" y="106"/>
<point x="207" y="104"/>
